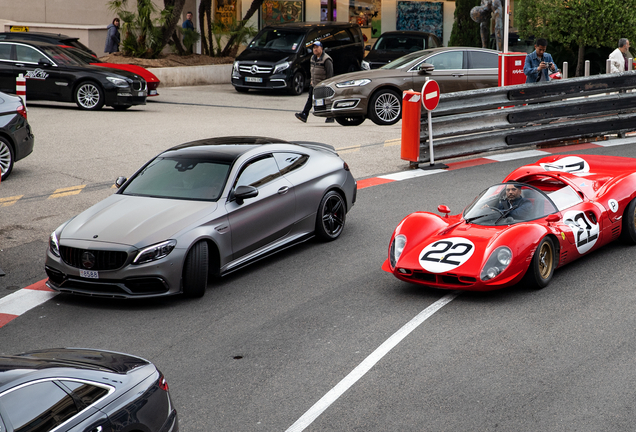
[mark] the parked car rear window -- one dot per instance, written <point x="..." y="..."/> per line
<point x="400" y="43"/>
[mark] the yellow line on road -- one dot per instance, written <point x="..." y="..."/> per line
<point x="73" y="190"/>
<point x="349" y="149"/>
<point x="6" y="202"/>
<point x="393" y="142"/>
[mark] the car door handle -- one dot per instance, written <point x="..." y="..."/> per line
<point x="19" y="64"/>
<point x="283" y="190"/>
<point x="458" y="75"/>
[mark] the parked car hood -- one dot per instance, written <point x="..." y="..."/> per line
<point x="138" y="70"/>
<point x="135" y="221"/>
<point x="264" y="55"/>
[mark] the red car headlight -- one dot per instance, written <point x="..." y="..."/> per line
<point x="497" y="262"/>
<point x="397" y="246"/>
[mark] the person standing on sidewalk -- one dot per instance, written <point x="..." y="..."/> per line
<point x="618" y="57"/>
<point x="321" y="69"/>
<point x="112" y="37"/>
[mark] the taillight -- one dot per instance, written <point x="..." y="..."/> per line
<point x="22" y="111"/>
<point x="163" y="384"/>
<point x="345" y="166"/>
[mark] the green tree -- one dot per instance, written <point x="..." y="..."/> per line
<point x="585" y="23"/>
<point x="465" y="31"/>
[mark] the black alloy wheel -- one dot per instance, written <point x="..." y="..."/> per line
<point x="331" y="216"/>
<point x="297" y="84"/>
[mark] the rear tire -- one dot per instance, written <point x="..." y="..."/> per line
<point x="628" y="234"/>
<point x="542" y="266"/>
<point x="350" y="121"/>
<point x="385" y="107"/>
<point x="7" y="158"/>
<point x="195" y="270"/>
<point x="331" y="216"/>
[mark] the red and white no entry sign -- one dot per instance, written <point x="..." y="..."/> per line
<point x="430" y="95"/>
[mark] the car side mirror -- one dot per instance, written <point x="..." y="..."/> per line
<point x="120" y="181"/>
<point x="425" y="68"/>
<point x="44" y="63"/>
<point x="443" y="209"/>
<point x="242" y="193"/>
<point x="367" y="48"/>
<point x="552" y="218"/>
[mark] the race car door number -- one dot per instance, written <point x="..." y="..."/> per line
<point x="89" y="274"/>
<point x="253" y="79"/>
<point x="319" y="102"/>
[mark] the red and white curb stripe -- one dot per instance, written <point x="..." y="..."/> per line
<point x="14" y="305"/>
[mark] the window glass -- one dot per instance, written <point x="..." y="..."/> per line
<point x="38" y="407"/>
<point x="87" y="393"/>
<point x="27" y="54"/>
<point x="405" y="61"/>
<point x="482" y="60"/>
<point x="342" y="37"/>
<point x="288" y="162"/>
<point x="432" y="42"/>
<point x="447" y="60"/>
<point x="259" y="172"/>
<point x="276" y="39"/>
<point x="5" y="52"/>
<point x="180" y="178"/>
<point x="565" y="197"/>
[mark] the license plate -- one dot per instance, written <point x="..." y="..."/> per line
<point x="253" y="79"/>
<point x="152" y="92"/>
<point x="319" y="102"/>
<point x="141" y="93"/>
<point x="89" y="274"/>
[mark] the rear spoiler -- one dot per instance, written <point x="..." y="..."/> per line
<point x="316" y="146"/>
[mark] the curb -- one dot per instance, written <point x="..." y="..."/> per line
<point x="193" y="75"/>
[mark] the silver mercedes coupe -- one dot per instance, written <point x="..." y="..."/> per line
<point x="204" y="208"/>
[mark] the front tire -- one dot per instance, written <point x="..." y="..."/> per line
<point x="628" y="234"/>
<point x="89" y="96"/>
<point x="385" y="108"/>
<point x="350" y="121"/>
<point x="332" y="213"/>
<point x="195" y="270"/>
<point x="297" y="84"/>
<point x="542" y="266"/>
<point x="7" y="158"/>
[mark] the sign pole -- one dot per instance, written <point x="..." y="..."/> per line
<point x="430" y="100"/>
<point x="506" y="24"/>
<point x="430" y="136"/>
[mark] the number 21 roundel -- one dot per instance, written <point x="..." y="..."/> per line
<point x="445" y="255"/>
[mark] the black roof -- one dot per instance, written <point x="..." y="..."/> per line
<point x="54" y="37"/>
<point x="309" y="25"/>
<point x="223" y="149"/>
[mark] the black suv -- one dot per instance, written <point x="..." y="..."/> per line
<point x="278" y="57"/>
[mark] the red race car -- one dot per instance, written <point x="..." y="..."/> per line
<point x="542" y="216"/>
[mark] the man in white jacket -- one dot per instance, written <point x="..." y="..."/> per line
<point x="619" y="56"/>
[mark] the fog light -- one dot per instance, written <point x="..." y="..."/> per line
<point x="345" y="104"/>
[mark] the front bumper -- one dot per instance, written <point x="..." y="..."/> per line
<point x="330" y="102"/>
<point x="267" y="82"/>
<point x="154" y="279"/>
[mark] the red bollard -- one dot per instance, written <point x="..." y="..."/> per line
<point x="20" y="88"/>
<point x="411" y="115"/>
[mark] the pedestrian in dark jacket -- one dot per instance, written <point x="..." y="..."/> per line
<point x="112" y="38"/>
<point x="321" y="69"/>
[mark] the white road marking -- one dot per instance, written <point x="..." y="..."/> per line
<point x="332" y="395"/>
<point x="404" y="175"/>
<point x="21" y="301"/>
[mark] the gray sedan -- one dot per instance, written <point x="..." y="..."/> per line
<point x="377" y="93"/>
<point x="203" y="208"/>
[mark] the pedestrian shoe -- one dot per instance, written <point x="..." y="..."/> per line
<point x="301" y="117"/>
<point x="329" y="120"/>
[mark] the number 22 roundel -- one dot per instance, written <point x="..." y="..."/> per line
<point x="585" y="231"/>
<point x="447" y="254"/>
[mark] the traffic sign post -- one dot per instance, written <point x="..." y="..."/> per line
<point x="430" y="100"/>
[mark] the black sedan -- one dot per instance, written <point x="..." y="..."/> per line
<point x="53" y="38"/>
<point x="395" y="44"/>
<point x="16" y="138"/>
<point x="83" y="390"/>
<point x="54" y="75"/>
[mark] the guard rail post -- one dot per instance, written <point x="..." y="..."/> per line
<point x="20" y="88"/>
<point x="630" y="64"/>
<point x="608" y="66"/>
<point x="564" y="73"/>
<point x="587" y="68"/>
<point x="411" y="113"/>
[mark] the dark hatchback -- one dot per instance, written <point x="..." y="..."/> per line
<point x="278" y="56"/>
<point x="16" y="137"/>
<point x="54" y="75"/>
<point x="54" y="38"/>
<point x="395" y="44"/>
<point x="83" y="390"/>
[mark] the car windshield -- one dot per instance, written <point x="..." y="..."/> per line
<point x="281" y="40"/>
<point x="508" y="204"/>
<point x="180" y="178"/>
<point x="60" y="56"/>
<point x="400" y="43"/>
<point x="81" y="56"/>
<point x="407" y="60"/>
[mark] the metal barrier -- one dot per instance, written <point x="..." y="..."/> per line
<point x="497" y="118"/>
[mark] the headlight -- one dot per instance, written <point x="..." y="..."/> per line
<point x="499" y="259"/>
<point x="54" y="244"/>
<point x="118" y="82"/>
<point x="155" y="252"/>
<point x="281" y="67"/>
<point x="397" y="246"/>
<point x="235" y="66"/>
<point x="353" y="83"/>
<point x="365" y="65"/>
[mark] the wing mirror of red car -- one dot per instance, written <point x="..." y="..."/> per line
<point x="443" y="209"/>
<point x="553" y="218"/>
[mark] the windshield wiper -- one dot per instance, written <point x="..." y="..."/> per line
<point x="470" y="220"/>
